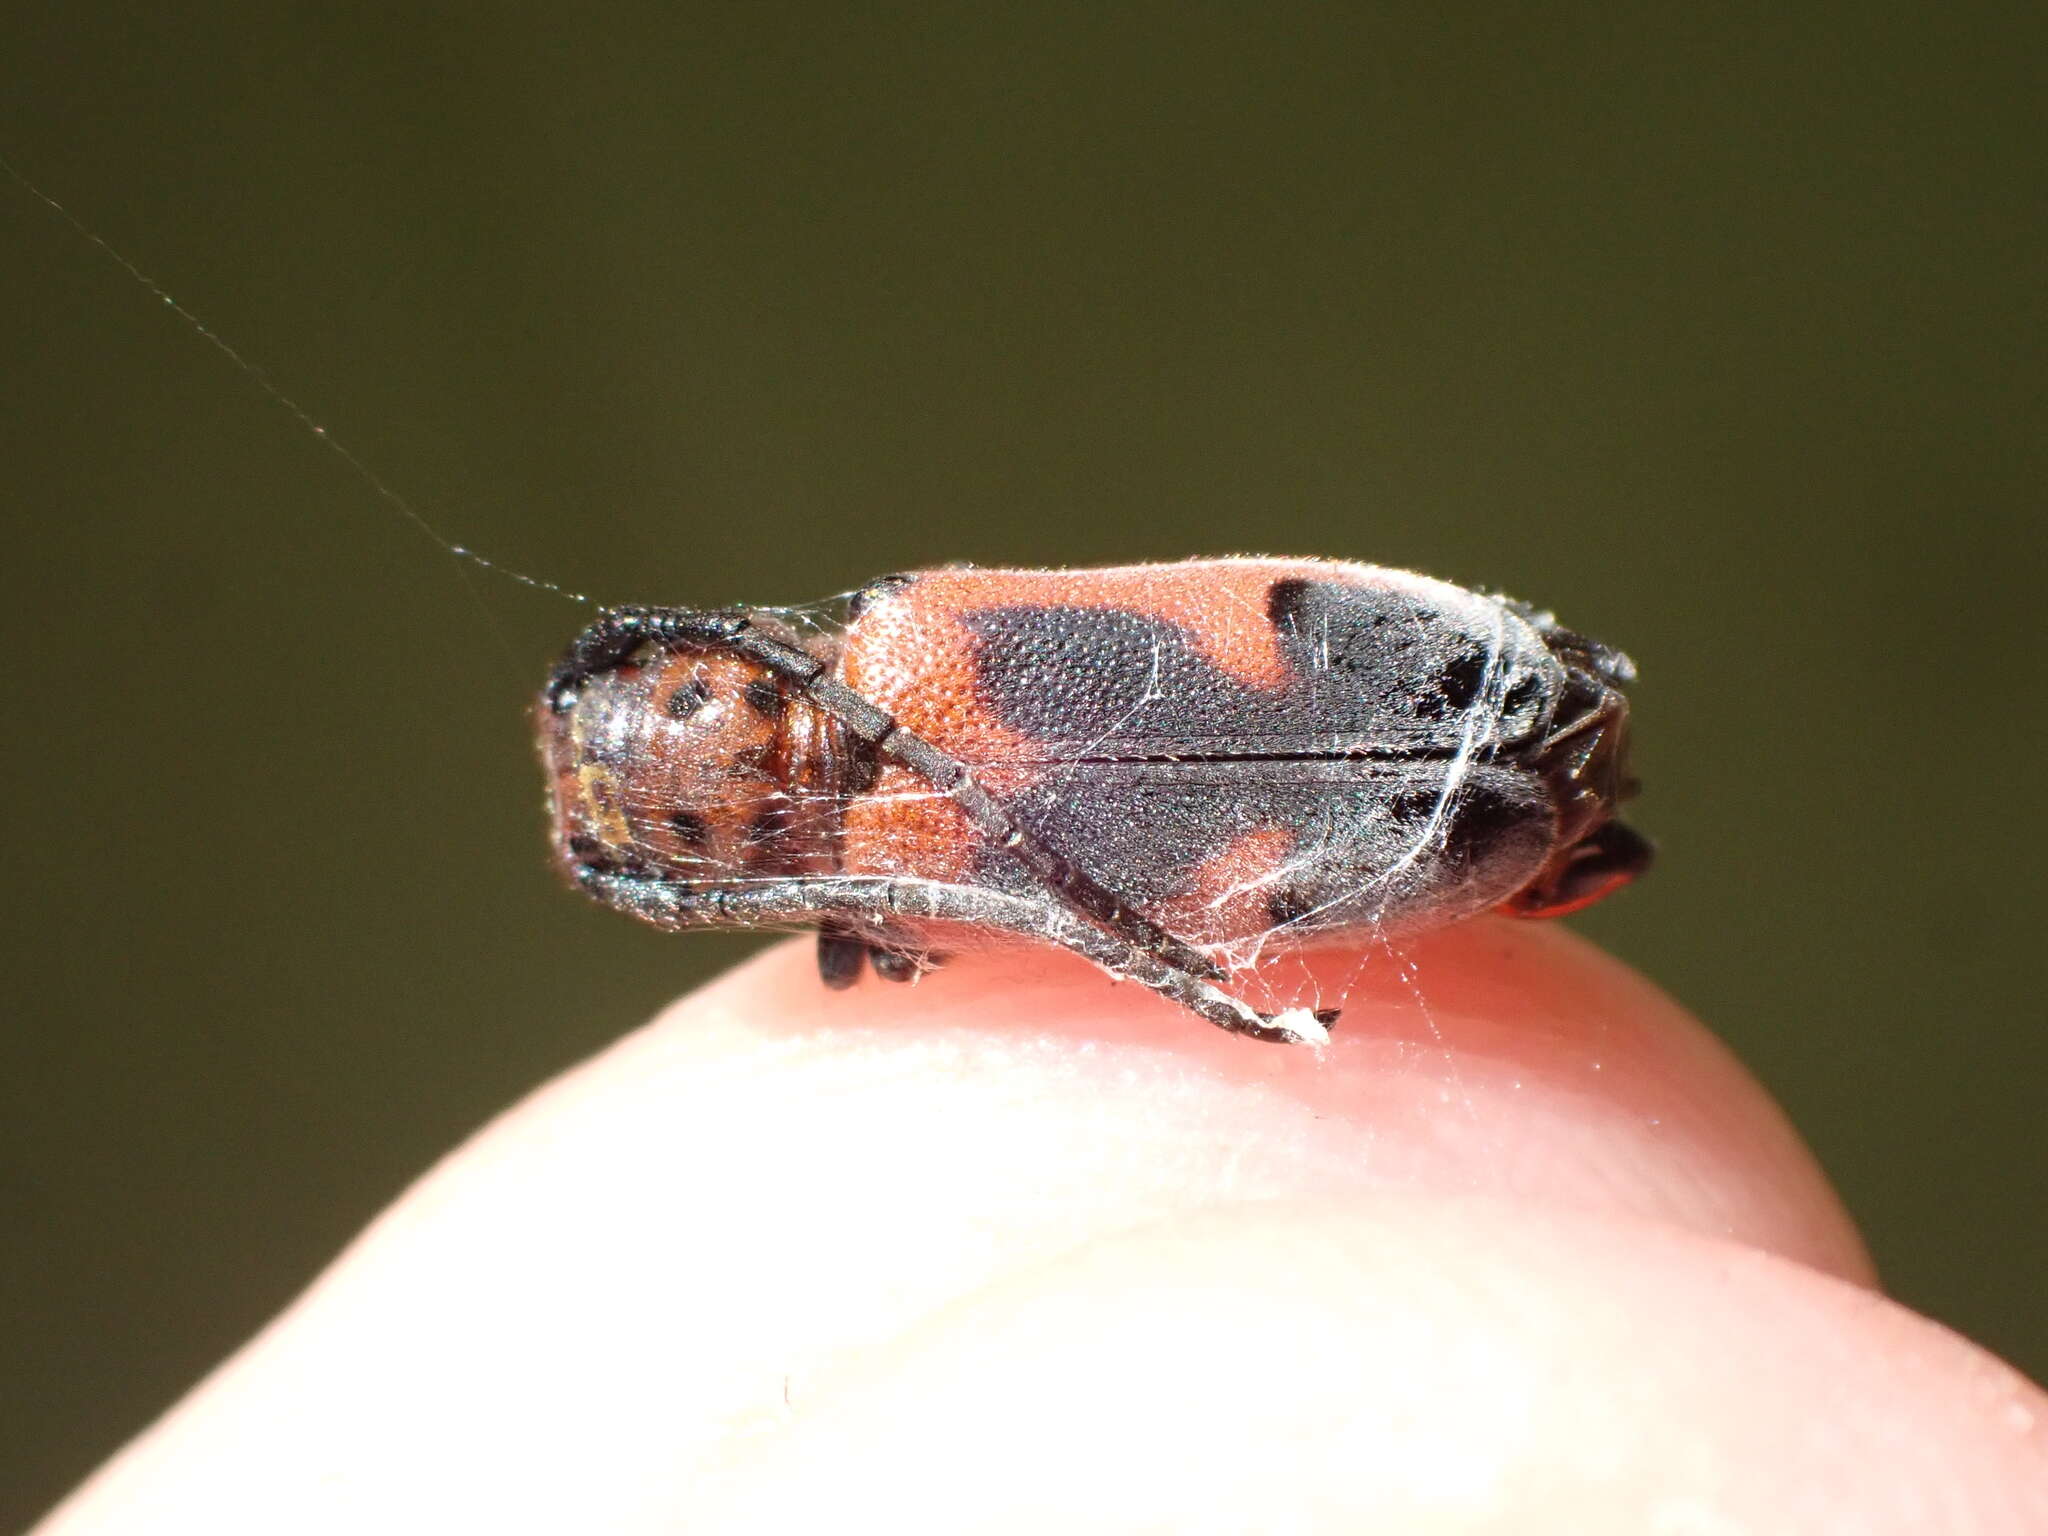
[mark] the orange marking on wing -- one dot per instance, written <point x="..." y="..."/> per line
<point x="1227" y="897"/>
<point x="910" y="654"/>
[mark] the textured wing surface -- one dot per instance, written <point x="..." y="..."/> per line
<point x="1229" y="744"/>
<point x="1222" y="851"/>
<point x="1236" y="658"/>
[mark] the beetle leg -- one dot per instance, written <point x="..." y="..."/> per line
<point x="841" y="954"/>
<point x="868" y="898"/>
<point x="1612" y="856"/>
<point x="896" y="958"/>
<point x="844" y="951"/>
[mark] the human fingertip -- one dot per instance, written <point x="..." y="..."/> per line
<point x="1502" y="1056"/>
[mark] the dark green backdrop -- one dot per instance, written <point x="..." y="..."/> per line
<point x="1716" y="331"/>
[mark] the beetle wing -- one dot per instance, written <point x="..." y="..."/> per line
<point x="1274" y="659"/>
<point x="1224" y="851"/>
<point x="1228" y="745"/>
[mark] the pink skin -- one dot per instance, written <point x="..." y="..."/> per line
<point x="1017" y="1249"/>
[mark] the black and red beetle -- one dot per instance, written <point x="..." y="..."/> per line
<point x="1166" y="768"/>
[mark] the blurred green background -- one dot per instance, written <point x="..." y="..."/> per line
<point x="1718" y="330"/>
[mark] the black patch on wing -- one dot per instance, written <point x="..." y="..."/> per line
<point x="1368" y="841"/>
<point x="1372" y="671"/>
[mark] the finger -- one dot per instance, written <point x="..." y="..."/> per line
<point x="1410" y="1365"/>
<point x="1497" y="1057"/>
<point x="656" y="1258"/>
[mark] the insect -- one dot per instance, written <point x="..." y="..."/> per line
<point x="1169" y="769"/>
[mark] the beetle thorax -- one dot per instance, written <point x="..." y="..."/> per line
<point x="692" y="765"/>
